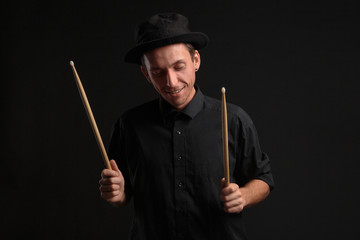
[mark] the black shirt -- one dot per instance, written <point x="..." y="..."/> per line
<point x="172" y="164"/>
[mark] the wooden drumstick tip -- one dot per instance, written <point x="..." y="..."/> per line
<point x="72" y="63"/>
<point x="223" y="90"/>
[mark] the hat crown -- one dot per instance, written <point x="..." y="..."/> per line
<point x="163" y="25"/>
<point x="161" y="30"/>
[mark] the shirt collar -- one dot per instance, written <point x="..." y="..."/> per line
<point x="191" y="110"/>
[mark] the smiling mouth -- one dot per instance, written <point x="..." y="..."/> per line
<point x="175" y="91"/>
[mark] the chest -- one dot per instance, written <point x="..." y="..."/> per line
<point x="192" y="146"/>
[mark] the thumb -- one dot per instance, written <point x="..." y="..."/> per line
<point x="222" y="182"/>
<point x="114" y="165"/>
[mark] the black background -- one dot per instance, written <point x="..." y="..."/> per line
<point x="293" y="66"/>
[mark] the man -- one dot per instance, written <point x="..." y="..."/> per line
<point x="167" y="153"/>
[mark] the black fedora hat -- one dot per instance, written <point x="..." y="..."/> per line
<point x="161" y="30"/>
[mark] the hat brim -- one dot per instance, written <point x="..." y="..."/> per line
<point x="197" y="39"/>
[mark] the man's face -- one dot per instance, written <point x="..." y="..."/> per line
<point x="171" y="71"/>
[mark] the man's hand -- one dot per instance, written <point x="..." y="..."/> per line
<point x="232" y="198"/>
<point x="235" y="199"/>
<point x="112" y="185"/>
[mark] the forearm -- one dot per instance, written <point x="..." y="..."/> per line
<point x="254" y="192"/>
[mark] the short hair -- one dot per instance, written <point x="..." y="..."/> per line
<point x="189" y="47"/>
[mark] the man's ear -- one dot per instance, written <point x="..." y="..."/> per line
<point x="146" y="74"/>
<point x="197" y="59"/>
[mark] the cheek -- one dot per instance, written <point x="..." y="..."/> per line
<point x="186" y="76"/>
<point x="190" y="77"/>
<point x="158" y="83"/>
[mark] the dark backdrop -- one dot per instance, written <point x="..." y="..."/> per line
<point x="293" y="66"/>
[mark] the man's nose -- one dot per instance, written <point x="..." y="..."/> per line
<point x="171" y="79"/>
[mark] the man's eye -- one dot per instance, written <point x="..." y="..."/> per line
<point x="179" y="67"/>
<point x="156" y="73"/>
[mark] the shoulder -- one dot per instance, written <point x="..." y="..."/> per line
<point x="234" y="111"/>
<point x="143" y="111"/>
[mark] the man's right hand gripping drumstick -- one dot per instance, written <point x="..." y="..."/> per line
<point x="112" y="185"/>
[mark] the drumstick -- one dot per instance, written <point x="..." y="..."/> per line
<point x="91" y="117"/>
<point x="225" y="138"/>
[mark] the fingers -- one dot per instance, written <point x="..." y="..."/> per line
<point x="107" y="173"/>
<point x="233" y="187"/>
<point x="235" y="208"/>
<point x="109" y="188"/>
<point x="111" y="180"/>
<point x="112" y="185"/>
<point x="109" y="196"/>
<point x="115" y="172"/>
<point x="230" y="193"/>
<point x="110" y="177"/>
<point x="231" y="197"/>
<point x="233" y="204"/>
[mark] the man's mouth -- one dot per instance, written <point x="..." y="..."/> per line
<point x="175" y="91"/>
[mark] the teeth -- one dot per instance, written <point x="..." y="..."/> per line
<point x="175" y="91"/>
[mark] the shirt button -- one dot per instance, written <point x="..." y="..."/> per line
<point x="181" y="185"/>
<point x="179" y="158"/>
<point x="178" y="132"/>
<point x="181" y="211"/>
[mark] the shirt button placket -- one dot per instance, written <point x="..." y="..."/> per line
<point x="179" y="142"/>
